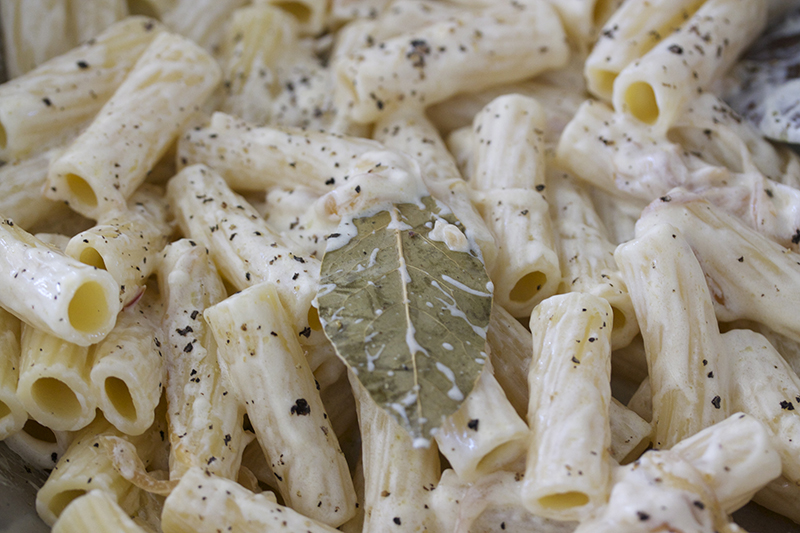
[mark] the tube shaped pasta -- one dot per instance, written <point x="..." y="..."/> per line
<point x="689" y="377"/>
<point x="127" y="245"/>
<point x="33" y="32"/>
<point x="258" y="348"/>
<point x="205" y="421"/>
<point x="38" y="445"/>
<point x="410" y="131"/>
<point x="256" y="40"/>
<point x="51" y="103"/>
<point x="633" y="29"/>
<point x="311" y="15"/>
<point x="12" y="414"/>
<point x="503" y="43"/>
<point x="780" y="496"/>
<point x="750" y="276"/>
<point x="510" y="353"/>
<point x="96" y="512"/>
<point x="655" y="89"/>
<point x="242" y="245"/>
<point x="397" y="476"/>
<point x="630" y="433"/>
<point x="205" y="503"/>
<point x="766" y="387"/>
<point x="86" y="466"/>
<point x="485" y="434"/>
<point x="199" y="20"/>
<point x="52" y="291"/>
<point x="254" y="159"/>
<point x="736" y="457"/>
<point x="54" y="381"/>
<point x="586" y="255"/>
<point x="128" y="367"/>
<point x="103" y="167"/>
<point x="569" y="407"/>
<point x="582" y="19"/>
<point x="21" y="185"/>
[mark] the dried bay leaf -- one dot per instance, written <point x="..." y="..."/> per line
<point x="408" y="313"/>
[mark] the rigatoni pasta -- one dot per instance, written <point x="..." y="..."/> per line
<point x="12" y="414"/>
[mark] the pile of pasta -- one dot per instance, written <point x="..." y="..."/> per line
<point x="173" y="169"/>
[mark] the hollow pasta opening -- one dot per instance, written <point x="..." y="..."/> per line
<point x="3" y="138"/>
<point x="5" y="410"/>
<point x="641" y="101"/>
<point x="55" y="397"/>
<point x="300" y="10"/>
<point x="39" y="432"/>
<point x="605" y="81"/>
<point x="90" y="256"/>
<point x="527" y="286"/>
<point x="60" y="501"/>
<point x="88" y="309"/>
<point x="119" y="395"/>
<point x="81" y="190"/>
<point x="618" y="319"/>
<point x="500" y="456"/>
<point x="564" y="500"/>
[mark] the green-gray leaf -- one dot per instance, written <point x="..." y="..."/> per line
<point x="408" y="314"/>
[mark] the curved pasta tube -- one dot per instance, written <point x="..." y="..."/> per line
<point x="12" y="414"/>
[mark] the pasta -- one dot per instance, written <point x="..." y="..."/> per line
<point x="173" y="190"/>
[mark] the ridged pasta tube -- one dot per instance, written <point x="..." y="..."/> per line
<point x="689" y="376"/>
<point x="198" y="20"/>
<point x="38" y="445"/>
<point x="749" y="276"/>
<point x="12" y="414"/>
<point x="134" y="128"/>
<point x="485" y="434"/>
<point x="242" y="245"/>
<point x="127" y="370"/>
<point x="780" y="496"/>
<point x="569" y="407"/>
<point x="259" y="350"/>
<point x="655" y="89"/>
<point x="128" y="244"/>
<point x="96" y="512"/>
<point x="510" y="353"/>
<point x="311" y="15"/>
<point x="507" y="42"/>
<point x="205" y="421"/>
<point x="630" y="433"/>
<point x="205" y="503"/>
<point x="54" y="381"/>
<point x="586" y="255"/>
<point x="52" y="291"/>
<point x="51" y="103"/>
<point x="21" y="185"/>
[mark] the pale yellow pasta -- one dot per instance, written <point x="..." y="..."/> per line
<point x="127" y="371"/>
<point x="205" y="420"/>
<point x="655" y="88"/>
<point x="411" y="132"/>
<point x="21" y="183"/>
<point x="689" y="375"/>
<point x="311" y="15"/>
<point x="103" y="167"/>
<point x="205" y="503"/>
<point x="50" y="104"/>
<point x="765" y="387"/>
<point x="12" y="414"/>
<point x="503" y="43"/>
<point x="641" y="402"/>
<point x="630" y="433"/>
<point x="749" y="276"/>
<point x="584" y="18"/>
<point x="97" y="512"/>
<point x="39" y="446"/>
<point x="258" y="349"/>
<point x="198" y="20"/>
<point x="128" y="244"/>
<point x="569" y="407"/>
<point x="355" y="9"/>
<point x="586" y="255"/>
<point x="633" y="29"/>
<point x="510" y="352"/>
<point x="397" y="475"/>
<point x="33" y="32"/>
<point x="780" y="496"/>
<point x="54" y="384"/>
<point x="254" y="47"/>
<point x="246" y="251"/>
<point x="254" y="159"/>
<point x="486" y="434"/>
<point x="52" y="291"/>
